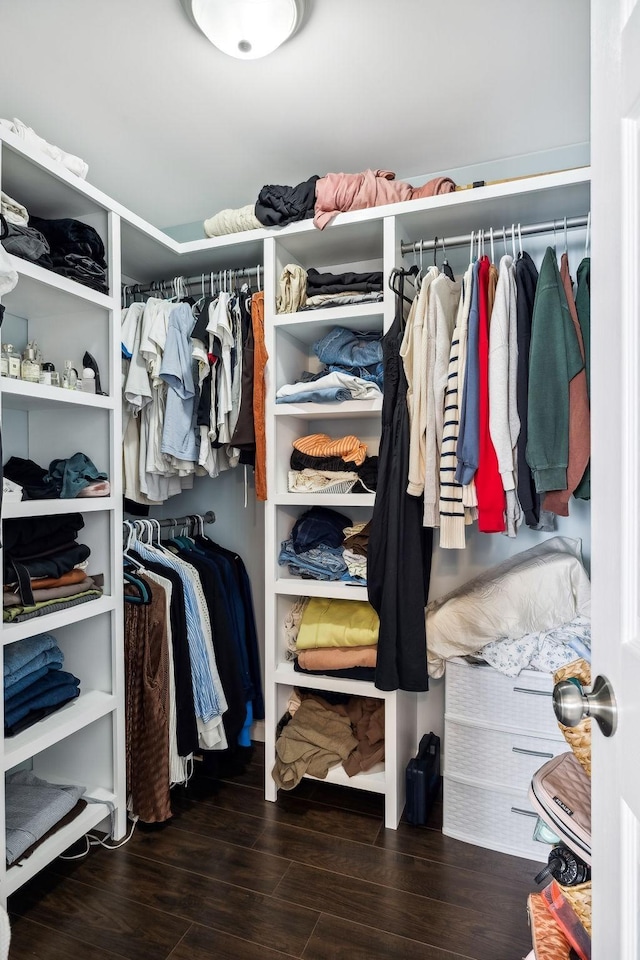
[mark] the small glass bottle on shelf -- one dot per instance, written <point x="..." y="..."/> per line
<point x="46" y="374"/>
<point x="70" y="376"/>
<point x="10" y="362"/>
<point x="30" y="366"/>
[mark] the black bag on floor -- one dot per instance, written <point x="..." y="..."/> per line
<point x="423" y="780"/>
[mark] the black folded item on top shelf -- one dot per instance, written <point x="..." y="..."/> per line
<point x="76" y="251"/>
<point x="279" y="205"/>
<point x="341" y="282"/>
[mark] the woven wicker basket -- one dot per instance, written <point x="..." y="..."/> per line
<point x="579" y="897"/>
<point x="578" y="738"/>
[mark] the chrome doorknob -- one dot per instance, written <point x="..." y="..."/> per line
<point x="571" y="703"/>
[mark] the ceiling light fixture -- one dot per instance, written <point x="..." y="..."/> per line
<point x="247" y="29"/>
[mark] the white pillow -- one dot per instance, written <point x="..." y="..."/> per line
<point x="536" y="590"/>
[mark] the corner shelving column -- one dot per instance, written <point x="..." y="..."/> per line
<point x="367" y="246"/>
<point x="82" y="742"/>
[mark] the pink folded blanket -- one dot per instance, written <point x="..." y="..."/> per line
<point x="339" y="192"/>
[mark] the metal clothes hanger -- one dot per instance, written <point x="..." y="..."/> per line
<point x="493" y="256"/>
<point x="587" y="238"/>
<point x="446" y="266"/>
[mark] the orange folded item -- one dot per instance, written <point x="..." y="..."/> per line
<point x="350" y="448"/>
<point x="338" y="658"/>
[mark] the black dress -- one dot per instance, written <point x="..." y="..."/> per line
<point x="399" y="555"/>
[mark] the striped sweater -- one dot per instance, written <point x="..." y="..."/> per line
<point x="453" y="514"/>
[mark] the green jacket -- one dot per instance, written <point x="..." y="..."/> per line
<point x="554" y="360"/>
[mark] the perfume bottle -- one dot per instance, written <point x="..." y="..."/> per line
<point x="46" y="374"/>
<point x="30" y="366"/>
<point x="70" y="376"/>
<point x="11" y="358"/>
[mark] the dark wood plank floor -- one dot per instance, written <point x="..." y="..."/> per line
<point x="314" y="876"/>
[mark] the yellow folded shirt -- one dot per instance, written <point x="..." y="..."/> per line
<point x="337" y="623"/>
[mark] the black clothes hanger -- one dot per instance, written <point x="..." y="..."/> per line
<point x="446" y="266"/>
<point x="399" y="274"/>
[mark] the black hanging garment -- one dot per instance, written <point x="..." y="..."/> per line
<point x="399" y="556"/>
<point x="526" y="283"/>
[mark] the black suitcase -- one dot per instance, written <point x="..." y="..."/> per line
<point x="423" y="780"/>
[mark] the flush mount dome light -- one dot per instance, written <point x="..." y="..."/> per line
<point x="247" y="29"/>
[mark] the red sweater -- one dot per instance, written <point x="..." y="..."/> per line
<point x="491" y="500"/>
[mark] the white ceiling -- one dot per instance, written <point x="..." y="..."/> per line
<point x="175" y="130"/>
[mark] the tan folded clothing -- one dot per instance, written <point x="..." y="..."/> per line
<point x="338" y="658"/>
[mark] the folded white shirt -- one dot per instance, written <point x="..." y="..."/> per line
<point x="72" y="163"/>
<point x="358" y="388"/>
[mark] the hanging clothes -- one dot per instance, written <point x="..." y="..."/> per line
<point x="526" y="283"/>
<point x="579" y="417"/>
<point x="583" y="306"/>
<point x="554" y="360"/>
<point x="188" y="397"/>
<point x="491" y="501"/>
<point x="260" y="358"/>
<point x="399" y="558"/>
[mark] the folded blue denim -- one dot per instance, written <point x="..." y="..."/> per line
<point x="349" y="348"/>
<point x="48" y="658"/>
<point x="319" y="563"/>
<point x="319" y="526"/>
<point x="48" y="698"/>
<point x="322" y="395"/>
<point x="51" y="680"/>
<point x="16" y="655"/>
<point x="30" y="678"/>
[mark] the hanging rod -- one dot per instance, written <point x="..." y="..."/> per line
<point x="208" y="517"/>
<point x="158" y="286"/>
<point x="528" y="230"/>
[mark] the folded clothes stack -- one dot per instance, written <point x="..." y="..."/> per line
<point x="35" y="809"/>
<point x="352" y="370"/>
<point x="18" y="237"/>
<point x="301" y="289"/>
<point x="325" y="730"/>
<point x="76" y="251"/>
<point x="66" y="479"/>
<point x="315" y="550"/>
<point x="321" y="198"/>
<point x="35" y="684"/>
<point x="44" y="567"/>
<point x="334" y="637"/>
<point x="68" y="247"/>
<point x="322" y="464"/>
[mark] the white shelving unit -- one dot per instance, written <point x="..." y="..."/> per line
<point x="59" y="313"/>
<point x="83" y="742"/>
<point x="366" y="240"/>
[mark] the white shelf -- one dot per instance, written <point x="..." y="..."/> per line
<point x="22" y="395"/>
<point x="311" y="325"/>
<point x="11" y="632"/>
<point x="91" y="816"/>
<point x="334" y="411"/>
<point x="325" y="499"/>
<point x="297" y="587"/>
<point x="43" y="293"/>
<point x="285" y="674"/>
<point x="47" y="508"/>
<point x="372" y="782"/>
<point x="57" y="726"/>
